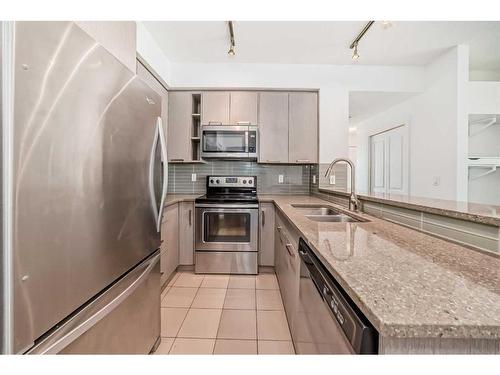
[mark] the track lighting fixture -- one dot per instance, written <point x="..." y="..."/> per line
<point x="355" y="55"/>
<point x="231" y="51"/>
<point x="355" y="42"/>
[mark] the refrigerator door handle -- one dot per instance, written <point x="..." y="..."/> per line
<point x="96" y="310"/>
<point x="152" y="194"/>
<point x="164" y="160"/>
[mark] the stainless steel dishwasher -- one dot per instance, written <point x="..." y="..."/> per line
<point x="327" y="321"/>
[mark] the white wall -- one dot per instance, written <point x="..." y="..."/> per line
<point x="149" y="51"/>
<point x="432" y="117"/>
<point x="483" y="97"/>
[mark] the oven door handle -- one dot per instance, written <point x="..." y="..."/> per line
<point x="224" y="207"/>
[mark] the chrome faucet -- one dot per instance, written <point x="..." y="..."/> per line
<point x="354" y="203"/>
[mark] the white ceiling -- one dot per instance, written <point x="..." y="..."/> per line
<point x="364" y="104"/>
<point x="297" y="42"/>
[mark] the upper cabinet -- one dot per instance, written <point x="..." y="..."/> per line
<point x="273" y="127"/>
<point x="303" y="127"/>
<point x="243" y="108"/>
<point x="215" y="108"/>
<point x="288" y="127"/>
<point x="229" y="108"/>
<point x="180" y="104"/>
<point x="287" y="121"/>
<point x="118" y="37"/>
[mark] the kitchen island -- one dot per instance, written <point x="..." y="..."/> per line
<point x="421" y="293"/>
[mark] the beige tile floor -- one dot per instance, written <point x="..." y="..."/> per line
<point x="217" y="314"/>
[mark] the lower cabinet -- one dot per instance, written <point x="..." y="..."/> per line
<point x="287" y="266"/>
<point x="177" y="235"/>
<point x="266" y="234"/>
<point x="169" y="259"/>
<point x="186" y="233"/>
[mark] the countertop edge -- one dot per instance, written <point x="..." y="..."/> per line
<point x="476" y="218"/>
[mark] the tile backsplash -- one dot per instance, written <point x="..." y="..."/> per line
<point x="296" y="178"/>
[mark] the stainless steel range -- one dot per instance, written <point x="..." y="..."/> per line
<point x="226" y="239"/>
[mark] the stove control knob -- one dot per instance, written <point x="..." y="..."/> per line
<point x="217" y="181"/>
<point x="211" y="181"/>
<point x="244" y="181"/>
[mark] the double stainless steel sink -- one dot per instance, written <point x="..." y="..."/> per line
<point x="324" y="213"/>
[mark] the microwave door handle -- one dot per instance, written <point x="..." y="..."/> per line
<point x="247" y="150"/>
<point x="163" y="147"/>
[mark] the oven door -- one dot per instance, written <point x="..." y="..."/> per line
<point x="227" y="227"/>
<point x="224" y="142"/>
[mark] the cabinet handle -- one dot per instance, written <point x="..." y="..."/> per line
<point x="303" y="160"/>
<point x="215" y="123"/>
<point x="290" y="252"/>
<point x="243" y="122"/>
<point x="189" y="217"/>
<point x="263" y="218"/>
<point x="176" y="159"/>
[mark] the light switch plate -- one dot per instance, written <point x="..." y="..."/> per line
<point x="280" y="179"/>
<point x="193" y="177"/>
<point x="436" y="180"/>
<point x="332" y="179"/>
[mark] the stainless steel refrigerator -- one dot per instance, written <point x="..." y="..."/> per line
<point x="83" y="188"/>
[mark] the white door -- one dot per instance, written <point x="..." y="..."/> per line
<point x="389" y="161"/>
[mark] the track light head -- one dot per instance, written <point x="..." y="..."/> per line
<point x="231" y="51"/>
<point x="355" y="55"/>
<point x="386" y="25"/>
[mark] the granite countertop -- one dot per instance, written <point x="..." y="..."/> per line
<point x="409" y="284"/>
<point x="479" y="213"/>
<point x="176" y="198"/>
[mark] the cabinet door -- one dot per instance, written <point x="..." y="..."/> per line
<point x="273" y="127"/>
<point x="243" y="108"/>
<point x="186" y="233"/>
<point x="266" y="248"/>
<point x="303" y="127"/>
<point x="118" y="37"/>
<point x="169" y="259"/>
<point x="180" y="105"/>
<point x="215" y="108"/>
<point x="278" y="255"/>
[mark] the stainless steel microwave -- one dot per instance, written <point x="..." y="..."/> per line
<point x="229" y="142"/>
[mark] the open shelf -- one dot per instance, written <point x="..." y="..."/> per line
<point x="484" y="161"/>
<point x="196" y="128"/>
<point x="484" y="136"/>
<point x="484" y="158"/>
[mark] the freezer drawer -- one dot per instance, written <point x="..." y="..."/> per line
<point x="125" y="319"/>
